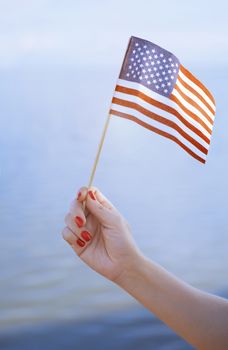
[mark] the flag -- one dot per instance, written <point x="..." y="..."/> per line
<point x="156" y="91"/>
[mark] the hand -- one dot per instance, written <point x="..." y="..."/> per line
<point x="100" y="235"/>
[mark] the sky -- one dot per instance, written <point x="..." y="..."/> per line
<point x="96" y="32"/>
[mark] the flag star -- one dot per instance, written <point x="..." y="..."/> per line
<point x="153" y="50"/>
<point x="134" y="64"/>
<point x="129" y="67"/>
<point x="166" y="66"/>
<point x="155" y="56"/>
<point x="152" y="63"/>
<point x="157" y="87"/>
<point x="154" y="81"/>
<point x="149" y="69"/>
<point x="128" y="74"/>
<point x="158" y="62"/>
<point x="136" y="56"/>
<point x="172" y="77"/>
<point x="150" y="57"/>
<point x="138" y="72"/>
<point x="132" y="71"/>
<point x="136" y="68"/>
<point x="160" y="79"/>
<point x="147" y="64"/>
<point x="176" y="64"/>
<point x="160" y="67"/>
<point x="136" y="44"/>
<point x="139" y="48"/>
<point x="161" y="55"/>
<point x="144" y="58"/>
<point x="132" y="59"/>
<point x="140" y="77"/>
<point x="166" y="78"/>
<point x="163" y="85"/>
<point x="157" y="74"/>
<point x="144" y="71"/>
<point x="138" y="60"/>
<point x="169" y="83"/>
<point x="165" y="91"/>
<point x="141" y="53"/>
<point x="169" y="71"/>
<point x="155" y="68"/>
<point x="147" y="51"/>
<point x="174" y="71"/>
<point x="134" y="76"/>
<point x="134" y="51"/>
<point x="164" y="60"/>
<point x="170" y="59"/>
<point x="148" y="82"/>
<point x="172" y="65"/>
<point x="146" y="76"/>
<point x="144" y="46"/>
<point x="152" y="75"/>
<point x="163" y="73"/>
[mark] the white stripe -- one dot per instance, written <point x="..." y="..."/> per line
<point x="191" y="108"/>
<point x="165" y="100"/>
<point x="160" y="112"/>
<point x="195" y="99"/>
<point x="157" y="125"/>
<point x="197" y="88"/>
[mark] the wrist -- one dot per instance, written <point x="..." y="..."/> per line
<point x="132" y="272"/>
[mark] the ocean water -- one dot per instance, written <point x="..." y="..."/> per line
<point x="51" y="122"/>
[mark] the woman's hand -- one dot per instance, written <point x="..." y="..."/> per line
<point x="100" y="235"/>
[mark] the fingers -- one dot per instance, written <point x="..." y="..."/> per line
<point x="77" y="243"/>
<point x="83" y="232"/>
<point x="99" y="206"/>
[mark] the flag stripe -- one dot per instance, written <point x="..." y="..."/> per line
<point x="158" y="131"/>
<point x="193" y="97"/>
<point x="193" y="104"/>
<point x="161" y="120"/>
<point x="197" y="95"/>
<point x="164" y="109"/>
<point x="190" y="110"/>
<point x="159" y="112"/>
<point x="197" y="85"/>
<point x="173" y="103"/>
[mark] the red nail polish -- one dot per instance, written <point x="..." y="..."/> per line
<point x="86" y="236"/>
<point x="79" y="195"/>
<point x="80" y="242"/>
<point x="79" y="221"/>
<point x="92" y="195"/>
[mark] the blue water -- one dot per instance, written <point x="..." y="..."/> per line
<point x="51" y="123"/>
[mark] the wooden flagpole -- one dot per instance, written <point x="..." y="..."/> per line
<point x="98" y="154"/>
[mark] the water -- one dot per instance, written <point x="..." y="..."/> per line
<point x="51" y="122"/>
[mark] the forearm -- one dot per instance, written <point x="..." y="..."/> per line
<point x="200" y="318"/>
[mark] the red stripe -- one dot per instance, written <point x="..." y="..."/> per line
<point x="197" y="82"/>
<point x="164" y="107"/>
<point x="161" y="120"/>
<point x="194" y="92"/>
<point x="193" y="103"/>
<point x="191" y="114"/>
<point x="157" y="131"/>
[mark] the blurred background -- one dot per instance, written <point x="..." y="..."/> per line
<point x="59" y="61"/>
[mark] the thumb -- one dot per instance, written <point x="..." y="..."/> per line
<point x="102" y="212"/>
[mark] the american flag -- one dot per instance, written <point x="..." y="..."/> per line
<point x="157" y="92"/>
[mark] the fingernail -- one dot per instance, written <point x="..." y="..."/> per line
<point x="80" y="242"/>
<point x="79" y="221"/>
<point x="86" y="236"/>
<point x="79" y="195"/>
<point x="92" y="195"/>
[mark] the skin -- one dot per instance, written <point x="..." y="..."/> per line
<point x="198" y="317"/>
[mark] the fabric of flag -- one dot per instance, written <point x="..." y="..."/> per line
<point x="156" y="91"/>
